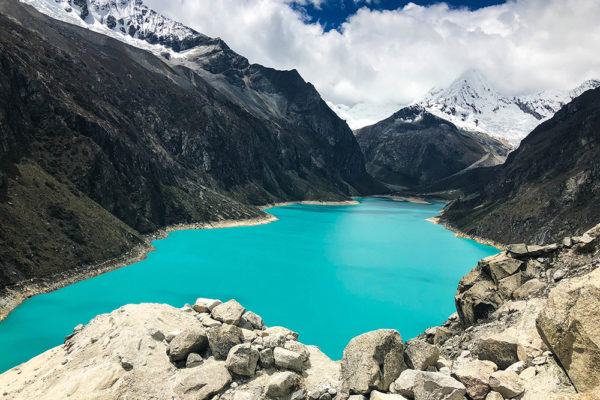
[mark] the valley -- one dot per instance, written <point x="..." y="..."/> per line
<point x="449" y="251"/>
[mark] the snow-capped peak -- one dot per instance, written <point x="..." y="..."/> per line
<point x="472" y="103"/>
<point x="130" y="21"/>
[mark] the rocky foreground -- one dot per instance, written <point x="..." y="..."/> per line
<point x="527" y="327"/>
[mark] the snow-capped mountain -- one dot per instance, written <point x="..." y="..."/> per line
<point x="130" y="21"/>
<point x="472" y="103"/>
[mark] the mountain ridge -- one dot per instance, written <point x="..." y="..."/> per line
<point x="413" y="148"/>
<point x="546" y="188"/>
<point x="104" y="143"/>
<point x="472" y="103"/>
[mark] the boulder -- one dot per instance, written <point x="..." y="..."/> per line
<point x="438" y="386"/>
<point x="536" y="251"/>
<point x="477" y="301"/>
<point x="288" y="359"/>
<point x="206" y="381"/>
<point x="229" y="313"/>
<point x="527" y="373"/>
<point x="248" y="335"/>
<point x="508" y="285"/>
<point x="274" y="340"/>
<point x="252" y="321"/>
<point x="188" y="341"/>
<point x="517" y="250"/>
<point x="570" y="326"/>
<point x="529" y="289"/>
<point x="252" y="394"/>
<point x="207" y="321"/>
<point x="372" y="361"/>
<point x="375" y="395"/>
<point x="266" y="358"/>
<point x="558" y="275"/>
<point x="533" y="270"/>
<point x="442" y="334"/>
<point x="507" y="383"/>
<point x="273" y="330"/>
<point x="242" y="359"/>
<point x="475" y="375"/>
<point x="502" y="350"/>
<point x="405" y="384"/>
<point x="193" y="360"/>
<point x="282" y="384"/>
<point x="517" y="367"/>
<point x="494" y="396"/>
<point x="222" y="338"/>
<point x="299" y="348"/>
<point x="203" y="305"/>
<point x="357" y="397"/>
<point x="420" y="355"/>
<point x="500" y="266"/>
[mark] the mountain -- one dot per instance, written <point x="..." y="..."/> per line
<point x="546" y="188"/>
<point x="102" y="143"/>
<point x="414" y="147"/>
<point x="473" y="104"/>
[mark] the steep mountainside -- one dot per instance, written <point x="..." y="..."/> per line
<point x="414" y="148"/>
<point x="548" y="187"/>
<point x="472" y="103"/>
<point x="101" y="141"/>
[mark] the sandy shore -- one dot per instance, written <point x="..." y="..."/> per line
<point x="311" y="202"/>
<point x="457" y="233"/>
<point x="15" y="296"/>
<point x="408" y="199"/>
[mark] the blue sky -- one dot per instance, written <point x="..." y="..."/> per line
<point x="332" y="13"/>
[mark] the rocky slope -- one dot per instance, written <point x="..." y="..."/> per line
<point x="103" y="143"/>
<point x="526" y="328"/>
<point x="413" y="148"/>
<point x="472" y="103"/>
<point x="546" y="189"/>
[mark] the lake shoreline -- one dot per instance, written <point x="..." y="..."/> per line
<point x="13" y="297"/>
<point x="437" y="221"/>
<point x="311" y="203"/>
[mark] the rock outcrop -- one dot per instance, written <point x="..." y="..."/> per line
<point x="570" y="327"/>
<point x="372" y="361"/>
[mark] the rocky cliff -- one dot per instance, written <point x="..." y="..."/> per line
<point x="413" y="148"/>
<point x="547" y="188"/>
<point x="526" y="328"/>
<point x="102" y="143"/>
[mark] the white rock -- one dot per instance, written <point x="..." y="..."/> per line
<point x="230" y="312"/>
<point x="375" y="395"/>
<point x="282" y="384"/>
<point x="203" y="305"/>
<point x="475" y="376"/>
<point x="288" y="359"/>
<point x="507" y="383"/>
<point x="437" y="386"/>
<point x="517" y="367"/>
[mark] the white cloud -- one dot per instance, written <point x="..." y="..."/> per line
<point x="383" y="58"/>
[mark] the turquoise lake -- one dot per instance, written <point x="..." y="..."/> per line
<point x="327" y="272"/>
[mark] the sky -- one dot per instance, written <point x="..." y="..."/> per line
<point x="368" y="58"/>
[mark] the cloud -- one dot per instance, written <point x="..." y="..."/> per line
<point x="379" y="58"/>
